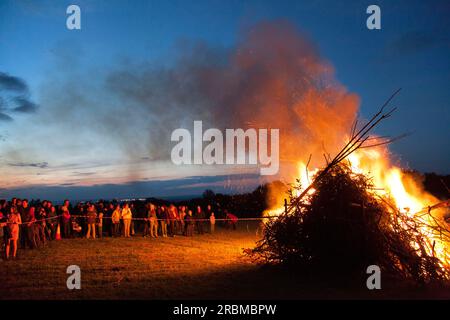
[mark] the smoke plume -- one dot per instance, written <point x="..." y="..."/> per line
<point x="273" y="77"/>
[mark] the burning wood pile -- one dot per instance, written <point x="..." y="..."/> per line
<point x="341" y="221"/>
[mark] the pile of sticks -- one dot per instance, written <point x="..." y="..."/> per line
<point x="325" y="229"/>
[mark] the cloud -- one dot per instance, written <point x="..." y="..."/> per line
<point x="42" y="165"/>
<point x="24" y="105"/>
<point x="75" y="173"/>
<point x="12" y="83"/>
<point x="5" y="117"/>
<point x="14" y="97"/>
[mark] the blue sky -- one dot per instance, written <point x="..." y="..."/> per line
<point x="410" y="51"/>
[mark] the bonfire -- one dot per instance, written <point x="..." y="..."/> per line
<point x="359" y="210"/>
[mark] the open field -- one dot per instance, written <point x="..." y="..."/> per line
<point x="202" y="267"/>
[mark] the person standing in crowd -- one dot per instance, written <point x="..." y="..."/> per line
<point x="178" y="229"/>
<point x="100" y="222"/>
<point x="181" y="217"/>
<point x="147" y="221"/>
<point x="65" y="219"/>
<point x="27" y="225"/>
<point x="3" y="208"/>
<point x="172" y="218"/>
<point x="91" y="219"/>
<point x="23" y="211"/>
<point x="52" y="222"/>
<point x="126" y="217"/>
<point x="153" y="221"/>
<point x="4" y="230"/>
<point x="80" y="209"/>
<point x="212" y="222"/>
<point x="34" y="229"/>
<point x="163" y="217"/>
<point x="40" y="225"/>
<point x="108" y="222"/>
<point x="189" y="223"/>
<point x="208" y="215"/>
<point x="115" y="219"/>
<point x="14" y="220"/>
<point x="133" y="214"/>
<point x="142" y="217"/>
<point x="199" y="216"/>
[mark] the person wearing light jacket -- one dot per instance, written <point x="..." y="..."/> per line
<point x="115" y="219"/>
<point x="153" y="221"/>
<point x="91" y="219"/>
<point x="126" y="217"/>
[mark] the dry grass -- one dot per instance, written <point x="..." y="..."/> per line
<point x="202" y="267"/>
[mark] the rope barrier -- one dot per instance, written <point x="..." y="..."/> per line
<point x="142" y="219"/>
<point x="177" y="219"/>
<point x="34" y="221"/>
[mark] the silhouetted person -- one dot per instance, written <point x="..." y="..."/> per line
<point x="163" y="216"/>
<point x="200" y="216"/>
<point x="26" y="229"/>
<point x="189" y="224"/>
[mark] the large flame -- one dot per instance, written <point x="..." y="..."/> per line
<point x="390" y="183"/>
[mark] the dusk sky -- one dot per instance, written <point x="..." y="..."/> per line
<point x="73" y="104"/>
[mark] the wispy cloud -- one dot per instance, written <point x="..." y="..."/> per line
<point x="24" y="105"/>
<point x="41" y="165"/>
<point x="83" y="174"/>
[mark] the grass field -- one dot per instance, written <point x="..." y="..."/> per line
<point x="202" y="267"/>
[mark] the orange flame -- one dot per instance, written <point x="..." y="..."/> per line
<point x="391" y="183"/>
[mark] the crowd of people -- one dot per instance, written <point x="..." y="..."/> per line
<point x="33" y="224"/>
